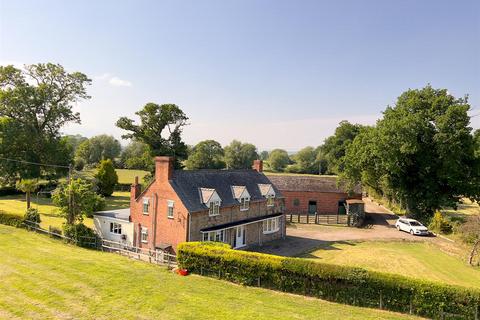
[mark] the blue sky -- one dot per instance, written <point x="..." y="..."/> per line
<point x="274" y="73"/>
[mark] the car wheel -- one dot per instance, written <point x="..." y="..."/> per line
<point x="411" y="232"/>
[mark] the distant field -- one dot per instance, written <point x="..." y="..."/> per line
<point x="42" y="278"/>
<point x="295" y="174"/>
<point x="464" y="209"/>
<point x="420" y="260"/>
<point x="49" y="213"/>
<point x="125" y="176"/>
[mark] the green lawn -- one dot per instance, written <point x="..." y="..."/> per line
<point x="465" y="208"/>
<point x="125" y="176"/>
<point x="42" y="278"/>
<point x="49" y="213"/>
<point x="414" y="259"/>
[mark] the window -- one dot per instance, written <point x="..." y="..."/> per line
<point x="214" y="236"/>
<point x="296" y="202"/>
<point x="115" y="228"/>
<point x="270" y="225"/>
<point x="214" y="208"/>
<point x="271" y="201"/>
<point x="144" y="235"/>
<point x="244" y="204"/>
<point x="170" y="209"/>
<point x="146" y="205"/>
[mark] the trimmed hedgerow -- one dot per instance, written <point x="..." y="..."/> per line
<point x="11" y="219"/>
<point x="342" y="284"/>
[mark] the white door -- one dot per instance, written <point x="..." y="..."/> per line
<point x="240" y="236"/>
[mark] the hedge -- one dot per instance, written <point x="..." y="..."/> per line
<point x="341" y="284"/>
<point x="11" y="219"/>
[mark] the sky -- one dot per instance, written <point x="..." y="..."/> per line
<point x="278" y="74"/>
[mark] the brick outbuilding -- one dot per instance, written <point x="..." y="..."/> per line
<point x="313" y="194"/>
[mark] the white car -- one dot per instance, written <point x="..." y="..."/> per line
<point x="412" y="226"/>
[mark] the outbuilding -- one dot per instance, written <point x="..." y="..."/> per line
<point x="114" y="225"/>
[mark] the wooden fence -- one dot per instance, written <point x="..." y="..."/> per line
<point x="91" y="242"/>
<point x="340" y="219"/>
<point x="153" y="256"/>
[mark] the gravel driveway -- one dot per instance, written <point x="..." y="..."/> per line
<point x="306" y="237"/>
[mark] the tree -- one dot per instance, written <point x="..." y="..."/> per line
<point x="240" y="155"/>
<point x="305" y="161"/>
<point x="106" y="177"/>
<point x="206" y="154"/>
<point x="278" y="159"/>
<point x="334" y="148"/>
<point x="28" y="186"/>
<point x="476" y="138"/>
<point x="98" y="148"/>
<point x="264" y="155"/>
<point x="420" y="154"/>
<point x="154" y="119"/>
<point x="137" y="155"/>
<point x="77" y="199"/>
<point x="35" y="103"/>
<point x="470" y="233"/>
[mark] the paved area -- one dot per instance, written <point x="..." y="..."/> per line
<point x="302" y="238"/>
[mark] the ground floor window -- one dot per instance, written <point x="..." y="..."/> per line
<point x="115" y="228"/>
<point x="271" y="225"/>
<point x="144" y="235"/>
<point x="218" y="236"/>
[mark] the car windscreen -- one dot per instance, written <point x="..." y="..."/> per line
<point x="415" y="224"/>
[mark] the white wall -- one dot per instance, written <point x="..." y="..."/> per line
<point x="102" y="227"/>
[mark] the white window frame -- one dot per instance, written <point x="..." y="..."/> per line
<point x="214" y="208"/>
<point x="271" y="225"/>
<point x="144" y="235"/>
<point x="146" y="201"/>
<point x="115" y="228"/>
<point x="170" y="207"/>
<point x="270" y="201"/>
<point x="244" y="203"/>
<point x="216" y="236"/>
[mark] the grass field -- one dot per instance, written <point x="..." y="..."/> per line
<point x="42" y="278"/>
<point x="49" y="213"/>
<point x="415" y="259"/>
<point x="125" y="176"/>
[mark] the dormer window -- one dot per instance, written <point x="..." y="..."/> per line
<point x="270" y="201"/>
<point x="240" y="193"/>
<point x="214" y="209"/>
<point x="244" y="204"/>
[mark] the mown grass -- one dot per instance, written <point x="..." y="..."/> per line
<point x="415" y="259"/>
<point x="42" y="278"/>
<point x="50" y="214"/>
<point x="125" y="176"/>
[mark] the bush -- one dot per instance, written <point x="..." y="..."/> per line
<point x="80" y="234"/>
<point x="32" y="215"/>
<point x="57" y="232"/>
<point x="11" y="220"/>
<point x="439" y="224"/>
<point x="106" y="178"/>
<point x="342" y="284"/>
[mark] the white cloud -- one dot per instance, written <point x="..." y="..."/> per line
<point x="113" y="80"/>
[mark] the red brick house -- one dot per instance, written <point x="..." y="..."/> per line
<point x="312" y="194"/>
<point x="238" y="207"/>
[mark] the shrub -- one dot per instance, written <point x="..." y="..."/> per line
<point x="440" y="224"/>
<point x="342" y="284"/>
<point x="80" y="234"/>
<point x="106" y="178"/>
<point x="32" y="215"/>
<point x="57" y="232"/>
<point x="11" y="220"/>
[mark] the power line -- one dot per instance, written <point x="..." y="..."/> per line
<point x="35" y="163"/>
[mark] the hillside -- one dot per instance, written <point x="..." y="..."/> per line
<point x="44" y="278"/>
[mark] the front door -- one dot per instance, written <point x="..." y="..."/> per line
<point x="312" y="207"/>
<point x="240" y="237"/>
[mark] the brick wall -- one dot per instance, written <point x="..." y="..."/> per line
<point x="327" y="202"/>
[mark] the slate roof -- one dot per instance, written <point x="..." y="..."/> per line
<point x="121" y="214"/>
<point x="187" y="183"/>
<point x="308" y="183"/>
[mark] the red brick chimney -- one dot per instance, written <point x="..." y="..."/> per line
<point x="258" y="165"/>
<point x="135" y="189"/>
<point x="163" y="168"/>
